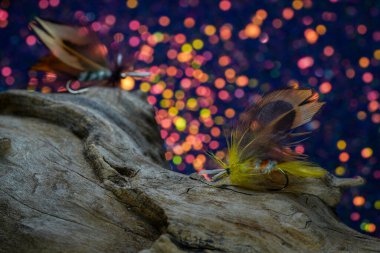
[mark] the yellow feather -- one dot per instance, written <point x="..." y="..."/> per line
<point x="302" y="169"/>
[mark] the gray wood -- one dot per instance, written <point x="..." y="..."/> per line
<point x="85" y="173"/>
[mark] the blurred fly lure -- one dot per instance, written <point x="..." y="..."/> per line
<point x="76" y="54"/>
<point x="259" y="145"/>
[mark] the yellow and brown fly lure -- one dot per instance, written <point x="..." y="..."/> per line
<point x="76" y="54"/>
<point x="259" y="154"/>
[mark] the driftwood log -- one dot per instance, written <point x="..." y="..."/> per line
<point x="85" y="173"/>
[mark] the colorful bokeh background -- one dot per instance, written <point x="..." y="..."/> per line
<point x="210" y="59"/>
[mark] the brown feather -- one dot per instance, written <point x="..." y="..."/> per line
<point x="67" y="33"/>
<point x="50" y="63"/>
<point x="57" y="49"/>
<point x="66" y="43"/>
<point x="305" y="113"/>
<point x="265" y="128"/>
<point x="292" y="96"/>
<point x="80" y="39"/>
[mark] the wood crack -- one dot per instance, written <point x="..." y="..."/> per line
<point x="42" y="212"/>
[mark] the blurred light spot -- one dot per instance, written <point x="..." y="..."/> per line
<point x="340" y="170"/>
<point x="220" y="83"/>
<point x="134" y="25"/>
<point x="325" y="87"/>
<point x="376" y="54"/>
<point x="3" y="15"/>
<point x="186" y="48"/>
<point x="377" y="204"/>
<point x="6" y="71"/>
<point x="242" y="81"/>
<point x="205" y="113"/>
<point x="145" y="87"/>
<point x="311" y="36"/>
<point x="43" y="4"/>
<point x="261" y="14"/>
<point x="180" y="123"/>
<point x="189" y="22"/>
<point x="252" y="31"/>
<point x="366" y="152"/>
<point x="364" y="62"/>
<point x="225" y="32"/>
<point x="229" y="113"/>
<point x="209" y="30"/>
<point x="371" y="228"/>
<point x="177" y="159"/>
<point x="214" y="145"/>
<point x="134" y="41"/>
<point x="355" y="216"/>
<point x="362" y="29"/>
<point x="127" y="83"/>
<point x="164" y="21"/>
<point x="225" y="5"/>
<point x="299" y="149"/>
<point x="328" y="51"/>
<point x="305" y="62"/>
<point x="230" y="73"/>
<point x="54" y="3"/>
<point x="373" y="106"/>
<point x="321" y="29"/>
<point x="131" y="4"/>
<point x="341" y="144"/>
<point x="224" y="60"/>
<point x="288" y="13"/>
<point x="180" y="38"/>
<point x="358" y="201"/>
<point x="344" y="157"/>
<point x="297" y="4"/>
<point x="45" y="89"/>
<point x="350" y="73"/>
<point x="376" y="118"/>
<point x="367" y="77"/>
<point x="118" y="37"/>
<point x="96" y="26"/>
<point x="198" y="44"/>
<point x="223" y="95"/>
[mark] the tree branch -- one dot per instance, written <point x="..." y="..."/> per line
<point x="92" y="166"/>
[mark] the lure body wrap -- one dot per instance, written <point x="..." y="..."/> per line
<point x="260" y="142"/>
<point x="76" y="54"/>
<point x="94" y="75"/>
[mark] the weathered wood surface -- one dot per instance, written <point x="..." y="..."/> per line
<point x="85" y="173"/>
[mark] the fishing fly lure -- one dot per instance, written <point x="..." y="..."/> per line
<point x="259" y="146"/>
<point x="76" y="54"/>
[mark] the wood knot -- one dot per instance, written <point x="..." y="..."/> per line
<point x="5" y="145"/>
